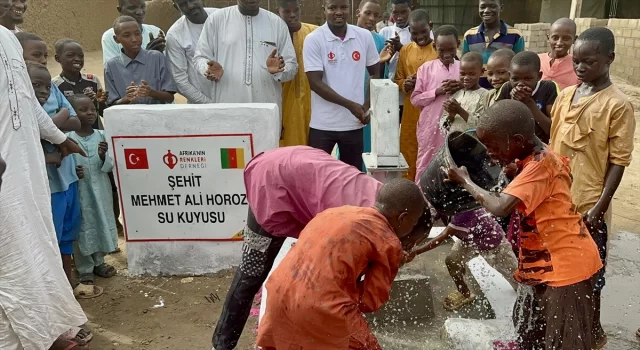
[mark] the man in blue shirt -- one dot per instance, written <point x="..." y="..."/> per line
<point x="491" y="35"/>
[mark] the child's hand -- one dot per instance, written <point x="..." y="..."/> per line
<point x="144" y="90"/>
<point x="522" y="93"/>
<point x="80" y="171"/>
<point x="90" y="93"/>
<point x="358" y="111"/>
<point x="53" y="158"/>
<point x="102" y="149"/>
<point x="456" y="175"/>
<point x="395" y="42"/>
<point x="410" y="83"/>
<point x="102" y="96"/>
<point x="132" y="92"/>
<point x="452" y="86"/>
<point x="452" y="107"/>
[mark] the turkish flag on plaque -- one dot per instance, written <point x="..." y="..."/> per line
<point x="136" y="158"/>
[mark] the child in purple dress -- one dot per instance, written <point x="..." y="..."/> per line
<point x="479" y="234"/>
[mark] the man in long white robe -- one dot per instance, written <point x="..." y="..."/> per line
<point x="241" y="44"/>
<point x="36" y="301"/>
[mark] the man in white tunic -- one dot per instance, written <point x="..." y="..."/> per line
<point x="247" y="54"/>
<point x="182" y="39"/>
<point x="36" y="301"/>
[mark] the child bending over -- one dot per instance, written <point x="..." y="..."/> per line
<point x="558" y="260"/>
<point x="435" y="81"/>
<point x="479" y="234"/>
<point x="342" y="266"/>
<point x="462" y="108"/>
<point x="98" y="233"/>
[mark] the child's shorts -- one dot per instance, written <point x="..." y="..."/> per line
<point x="65" y="207"/>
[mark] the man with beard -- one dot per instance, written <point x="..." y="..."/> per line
<point x="296" y="94"/>
<point x="252" y="48"/>
<point x="182" y="39"/>
<point x="37" y="305"/>
<point x="152" y="36"/>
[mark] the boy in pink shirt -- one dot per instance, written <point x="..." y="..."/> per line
<point x="286" y="188"/>
<point x="557" y="64"/>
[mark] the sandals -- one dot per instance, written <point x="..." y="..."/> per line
<point x="78" y="335"/>
<point x="105" y="271"/>
<point x="455" y="301"/>
<point x="87" y="291"/>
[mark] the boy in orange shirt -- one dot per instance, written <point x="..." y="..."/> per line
<point x="342" y="265"/>
<point x="558" y="259"/>
<point x="557" y="64"/>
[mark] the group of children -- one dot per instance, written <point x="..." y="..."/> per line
<point x="83" y="193"/>
<point x="564" y="138"/>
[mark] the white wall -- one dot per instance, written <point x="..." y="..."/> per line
<point x="156" y="247"/>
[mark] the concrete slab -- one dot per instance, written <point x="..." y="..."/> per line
<point x="411" y="300"/>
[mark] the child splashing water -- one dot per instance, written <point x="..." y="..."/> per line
<point x="435" y="81"/>
<point x="98" y="233"/>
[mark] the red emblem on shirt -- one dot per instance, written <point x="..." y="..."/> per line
<point x="356" y="56"/>
<point x="90" y="76"/>
<point x="331" y="55"/>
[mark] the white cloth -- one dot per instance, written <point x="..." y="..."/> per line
<point x="182" y="39"/>
<point x="342" y="63"/>
<point x="405" y="38"/>
<point x="111" y="49"/>
<point x="242" y="44"/>
<point x="35" y="296"/>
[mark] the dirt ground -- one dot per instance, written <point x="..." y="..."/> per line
<point x="128" y="316"/>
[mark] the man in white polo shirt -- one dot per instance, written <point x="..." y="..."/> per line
<point x="335" y="55"/>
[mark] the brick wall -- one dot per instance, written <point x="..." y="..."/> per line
<point x="535" y="36"/>
<point x="627" y="62"/>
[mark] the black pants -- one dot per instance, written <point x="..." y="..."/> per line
<point x="350" y="143"/>
<point x="258" y="253"/>
<point x="601" y="236"/>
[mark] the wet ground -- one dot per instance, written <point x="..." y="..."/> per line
<point x="129" y="315"/>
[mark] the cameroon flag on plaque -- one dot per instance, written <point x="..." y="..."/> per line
<point x="232" y="158"/>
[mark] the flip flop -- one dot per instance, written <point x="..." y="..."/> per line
<point x="87" y="291"/>
<point x="79" y="335"/>
<point x="105" y="271"/>
<point x="455" y="301"/>
<point x="600" y="344"/>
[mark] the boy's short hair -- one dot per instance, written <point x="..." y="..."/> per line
<point x="419" y="15"/>
<point x="33" y="66"/>
<point x="446" y="30"/>
<point x="566" y="22"/>
<point x="503" y="53"/>
<point x="122" y="19"/>
<point x="24" y="37"/>
<point x="400" y="2"/>
<point x="73" y="99"/>
<point x="284" y="3"/>
<point x="527" y="59"/>
<point x="508" y="117"/>
<point x="603" y="36"/>
<point x="60" y="44"/>
<point x="364" y="2"/>
<point x="473" y="57"/>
